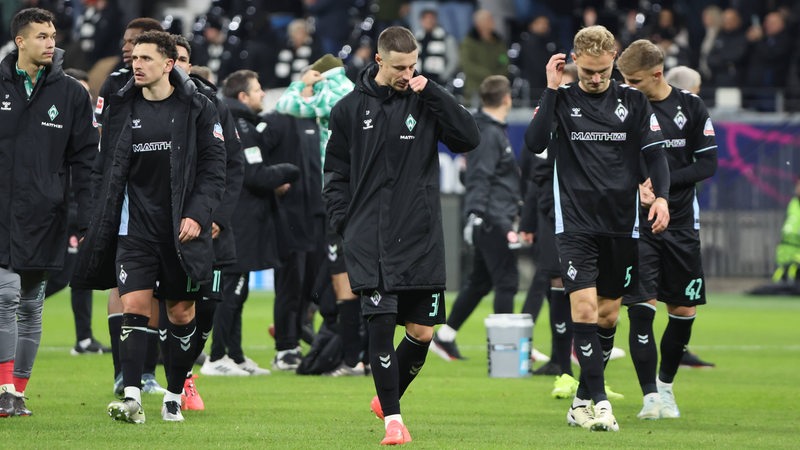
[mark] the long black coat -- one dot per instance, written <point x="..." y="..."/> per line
<point x="256" y="216"/>
<point x="382" y="181"/>
<point x="41" y="140"/>
<point x="197" y="183"/>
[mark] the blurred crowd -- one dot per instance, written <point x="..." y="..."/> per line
<point x="747" y="44"/>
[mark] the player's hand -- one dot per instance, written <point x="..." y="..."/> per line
<point x="660" y="212"/>
<point x="512" y="237"/>
<point x="281" y="190"/>
<point x="189" y="230"/>
<point x="215" y="229"/>
<point x="526" y="237"/>
<point x="418" y="83"/>
<point x="555" y="70"/>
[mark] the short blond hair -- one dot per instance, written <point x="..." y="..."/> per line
<point x="595" y="41"/>
<point x="640" y="55"/>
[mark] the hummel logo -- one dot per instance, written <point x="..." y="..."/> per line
<point x="206" y="335"/>
<point x="137" y="123"/>
<point x="162" y="335"/>
<point x="385" y="361"/>
<point x="576" y="112"/>
<point x="6" y="106"/>
<point x="333" y="252"/>
<point x="186" y="341"/>
<point x="643" y="338"/>
<point x="124" y="334"/>
<point x="586" y="350"/>
<point x="561" y="328"/>
<point x="415" y="370"/>
<point x="367" y="124"/>
<point x="606" y="355"/>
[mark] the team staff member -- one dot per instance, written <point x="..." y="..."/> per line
<point x="382" y="194"/>
<point x="491" y="206"/>
<point x="162" y="160"/>
<point x="670" y="263"/>
<point x="46" y="131"/>
<point x="253" y="225"/>
<point x="598" y="130"/>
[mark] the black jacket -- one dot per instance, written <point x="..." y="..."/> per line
<point x="492" y="179"/>
<point x="256" y="216"/>
<point x="197" y="163"/>
<point x="382" y="181"/>
<point x="292" y="140"/>
<point x="40" y="140"/>
<point x="224" y="245"/>
<point x="115" y="81"/>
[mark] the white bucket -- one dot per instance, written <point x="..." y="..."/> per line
<point x="508" y="345"/>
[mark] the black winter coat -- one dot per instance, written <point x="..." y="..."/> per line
<point x="41" y="140"/>
<point x="492" y="179"/>
<point x="293" y="140"/>
<point x="256" y="215"/>
<point x="197" y="163"/>
<point x="224" y="245"/>
<point x="382" y="181"/>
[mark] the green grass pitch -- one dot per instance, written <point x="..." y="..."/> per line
<point x="750" y="400"/>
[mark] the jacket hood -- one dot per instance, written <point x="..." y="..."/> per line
<point x="184" y="86"/>
<point x="481" y="118"/>
<point x="53" y="72"/>
<point x="239" y="109"/>
<point x="366" y="83"/>
<point x="203" y="82"/>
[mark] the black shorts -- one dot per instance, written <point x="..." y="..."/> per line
<point x="670" y="269"/>
<point x="143" y="265"/>
<point x="604" y="262"/>
<point x="335" y="253"/>
<point x="545" y="250"/>
<point x="424" y="307"/>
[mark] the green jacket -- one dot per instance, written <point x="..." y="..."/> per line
<point x="479" y="59"/>
<point x="333" y="86"/>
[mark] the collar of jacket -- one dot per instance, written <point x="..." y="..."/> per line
<point x="8" y="67"/>
<point x="239" y="109"/>
<point x="184" y="86"/>
<point x="367" y="84"/>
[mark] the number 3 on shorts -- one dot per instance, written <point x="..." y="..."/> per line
<point x="435" y="305"/>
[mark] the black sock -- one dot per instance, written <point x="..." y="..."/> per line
<point x="642" y="344"/>
<point x="204" y="315"/>
<point x="411" y="355"/>
<point x="349" y="322"/>
<point x="114" y="326"/>
<point x="133" y="341"/>
<point x="561" y="328"/>
<point x="383" y="361"/>
<point x="180" y="339"/>
<point x="590" y="356"/>
<point x="151" y="359"/>
<point x="606" y="336"/>
<point x="675" y="339"/>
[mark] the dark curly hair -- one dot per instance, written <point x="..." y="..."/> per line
<point x="164" y="41"/>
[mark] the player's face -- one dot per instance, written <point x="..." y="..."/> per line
<point x="127" y="43"/>
<point x="183" y="59"/>
<point x="646" y="81"/>
<point x="254" y="97"/>
<point x="37" y="43"/>
<point x="594" y="72"/>
<point x="396" y="69"/>
<point x="149" y="66"/>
